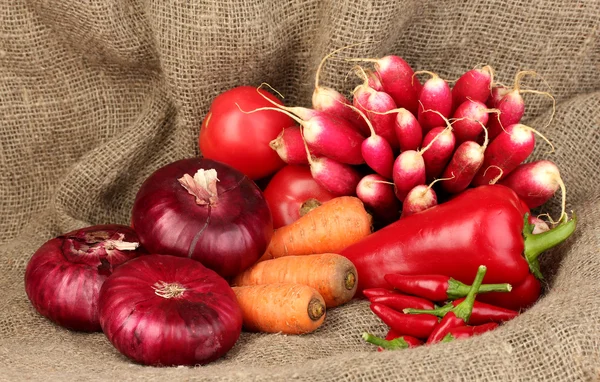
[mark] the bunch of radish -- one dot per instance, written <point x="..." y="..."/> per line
<point x="402" y="145"/>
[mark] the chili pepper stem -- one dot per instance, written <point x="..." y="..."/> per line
<point x="464" y="309"/>
<point x="395" y="344"/>
<point x="448" y="338"/>
<point x="456" y="289"/>
<point x="538" y="243"/>
<point x="439" y="312"/>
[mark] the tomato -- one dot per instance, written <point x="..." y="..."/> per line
<point x="289" y="188"/>
<point x="240" y="139"/>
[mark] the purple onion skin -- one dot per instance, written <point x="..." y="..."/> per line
<point x="196" y="327"/>
<point x="227" y="237"/>
<point x="64" y="276"/>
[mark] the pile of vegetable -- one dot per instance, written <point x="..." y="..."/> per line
<point x="415" y="196"/>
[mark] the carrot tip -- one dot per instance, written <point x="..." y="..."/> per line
<point x="316" y="309"/>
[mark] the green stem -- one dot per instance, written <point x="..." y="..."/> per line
<point x="464" y="309"/>
<point x="448" y="338"/>
<point x="395" y="344"/>
<point x="438" y="312"/>
<point x="538" y="243"/>
<point x="456" y="289"/>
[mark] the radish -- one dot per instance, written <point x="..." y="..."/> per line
<point x="469" y="118"/>
<point x="539" y="226"/>
<point x="435" y="96"/>
<point x="330" y="101"/>
<point x="512" y="106"/>
<point x="419" y="199"/>
<point x="374" y="104"/>
<point x="506" y="152"/>
<point x="374" y="81"/>
<point x="476" y="85"/>
<point x="408" y="130"/>
<point x="290" y="146"/>
<point x="397" y="79"/>
<point x="377" y="194"/>
<point x="409" y="170"/>
<point x="376" y="150"/>
<point x="498" y="92"/>
<point x="440" y="154"/>
<point x="325" y="134"/>
<point x="466" y="161"/>
<point x="536" y="182"/>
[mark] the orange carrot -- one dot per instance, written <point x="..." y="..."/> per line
<point x="280" y="308"/>
<point x="332" y="275"/>
<point x="329" y="228"/>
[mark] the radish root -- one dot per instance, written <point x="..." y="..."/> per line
<point x="541" y="136"/>
<point x="322" y="63"/>
<point x="432" y="74"/>
<point x="497" y="178"/>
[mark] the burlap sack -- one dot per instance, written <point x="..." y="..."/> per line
<point x="95" y="95"/>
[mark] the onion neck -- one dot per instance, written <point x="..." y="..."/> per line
<point x="203" y="186"/>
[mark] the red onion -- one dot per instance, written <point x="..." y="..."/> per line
<point x="64" y="276"/>
<point x="205" y="210"/>
<point x="167" y="310"/>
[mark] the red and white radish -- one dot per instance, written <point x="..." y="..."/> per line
<point x="408" y="130"/>
<point x="466" y="161"/>
<point x="539" y="226"/>
<point x="441" y="151"/>
<point x="376" y="150"/>
<point x="536" y="182"/>
<point x="512" y="106"/>
<point x="374" y="81"/>
<point x="435" y="96"/>
<point x="290" y="146"/>
<point x="330" y="101"/>
<point x="505" y="153"/>
<point x="476" y="85"/>
<point x="375" y="104"/>
<point x="378" y="195"/>
<point x="498" y="92"/>
<point x="469" y="119"/>
<point x="419" y="199"/>
<point x="397" y="79"/>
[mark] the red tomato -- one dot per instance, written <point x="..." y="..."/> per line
<point x="288" y="189"/>
<point x="239" y="139"/>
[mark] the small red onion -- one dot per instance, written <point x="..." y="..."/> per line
<point x="166" y="310"/>
<point x="205" y="210"/>
<point x="64" y="276"/>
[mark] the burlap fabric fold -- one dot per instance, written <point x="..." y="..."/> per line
<point x="95" y="95"/>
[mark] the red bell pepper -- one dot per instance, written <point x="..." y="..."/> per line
<point x="468" y="331"/>
<point x="482" y="313"/>
<point x="437" y="287"/>
<point x="415" y="325"/>
<point x="400" y="302"/>
<point x="460" y="314"/>
<point x="483" y="225"/>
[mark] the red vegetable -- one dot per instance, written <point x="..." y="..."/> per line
<point x="440" y="152"/>
<point x="167" y="310"/>
<point x="378" y="196"/>
<point x="535" y="182"/>
<point x="435" y="96"/>
<point x="290" y="146"/>
<point x="468" y="331"/>
<point x="437" y="287"/>
<point x="205" y="210"/>
<point x="475" y="84"/>
<point x="521" y="297"/>
<point x="408" y="130"/>
<point x="64" y="276"/>
<point x="482" y="313"/>
<point x="416" y="325"/>
<point x="292" y="192"/>
<point x="241" y="140"/>
<point x="480" y="226"/>
<point x="469" y="119"/>
<point x="399" y="302"/>
<point x="460" y="314"/>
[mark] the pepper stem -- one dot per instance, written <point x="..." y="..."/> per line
<point x="538" y="243"/>
<point x="395" y="344"/>
<point x="464" y="309"/>
<point x="448" y="338"/>
<point x="456" y="289"/>
<point x="438" y="312"/>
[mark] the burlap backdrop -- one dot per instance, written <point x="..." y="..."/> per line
<point x="95" y="95"/>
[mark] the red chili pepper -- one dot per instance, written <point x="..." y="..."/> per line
<point x="376" y="292"/>
<point x="416" y="325"/>
<point x="410" y="341"/>
<point x="520" y="298"/>
<point x="482" y="313"/>
<point x="483" y="225"/>
<point x="437" y="287"/>
<point x="400" y="302"/>
<point x="460" y="314"/>
<point x="468" y="331"/>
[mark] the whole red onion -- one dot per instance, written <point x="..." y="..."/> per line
<point x="64" y="276"/>
<point x="167" y="310"/>
<point x="205" y="210"/>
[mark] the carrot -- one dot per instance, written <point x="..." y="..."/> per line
<point x="329" y="228"/>
<point x="332" y="275"/>
<point x="280" y="308"/>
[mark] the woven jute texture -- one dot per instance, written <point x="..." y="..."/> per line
<point x="95" y="95"/>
